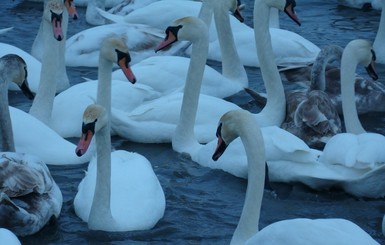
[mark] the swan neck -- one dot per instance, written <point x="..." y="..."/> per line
<point x="275" y="109"/>
<point x="254" y="146"/>
<point x="6" y="137"/>
<point x="43" y="103"/>
<point x="184" y="135"/>
<point x="348" y="67"/>
<point x="101" y="209"/>
<point x="232" y="67"/>
<point x="206" y="12"/>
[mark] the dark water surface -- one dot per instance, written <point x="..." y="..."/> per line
<point x="204" y="205"/>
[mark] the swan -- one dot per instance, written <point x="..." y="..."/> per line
<point x="242" y="124"/>
<point x="82" y="49"/>
<point x="84" y="3"/>
<point x="45" y="32"/>
<point x="380" y="36"/>
<point x="120" y="191"/>
<point x="53" y="36"/>
<point x="29" y="196"/>
<point x="8" y="237"/>
<point x="168" y="70"/>
<point x="155" y="121"/>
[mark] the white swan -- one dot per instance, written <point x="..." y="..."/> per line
<point x="29" y="196"/>
<point x="294" y="231"/>
<point x="164" y="73"/>
<point x="46" y="32"/>
<point x="155" y="121"/>
<point x="8" y="237"/>
<point x="380" y="36"/>
<point x="82" y="49"/>
<point x="51" y="62"/>
<point x="120" y="191"/>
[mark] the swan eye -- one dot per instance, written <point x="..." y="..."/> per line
<point x="89" y="127"/>
<point x="373" y="55"/>
<point x="122" y="55"/>
<point x="57" y="17"/>
<point x="174" y="30"/>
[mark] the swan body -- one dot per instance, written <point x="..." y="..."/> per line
<point x="8" y="237"/>
<point x="66" y="122"/>
<point x="241" y="124"/>
<point x="29" y="196"/>
<point x="108" y="199"/>
<point x="380" y="36"/>
<point x="82" y="49"/>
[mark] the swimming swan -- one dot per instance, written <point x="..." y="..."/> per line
<point x="242" y="124"/>
<point x="120" y="191"/>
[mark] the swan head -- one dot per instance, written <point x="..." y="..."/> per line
<point x="53" y="13"/>
<point x="94" y="118"/>
<point x="115" y="50"/>
<point x="70" y="6"/>
<point x="228" y="130"/>
<point x="364" y="54"/>
<point x="14" y="69"/>
<point x="286" y="6"/>
<point x="185" y="29"/>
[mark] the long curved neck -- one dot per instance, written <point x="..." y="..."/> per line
<point x="275" y="109"/>
<point x="232" y="67"/>
<point x="184" y="139"/>
<point x="101" y="208"/>
<point x="6" y="137"/>
<point x="380" y="37"/>
<point x="42" y="105"/>
<point x="326" y="56"/>
<point x="348" y="67"/>
<point x="254" y="146"/>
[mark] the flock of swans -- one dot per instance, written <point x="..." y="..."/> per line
<point x="175" y="97"/>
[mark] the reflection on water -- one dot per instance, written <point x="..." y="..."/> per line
<point x="203" y="205"/>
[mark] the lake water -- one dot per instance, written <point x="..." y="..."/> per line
<point x="204" y="205"/>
